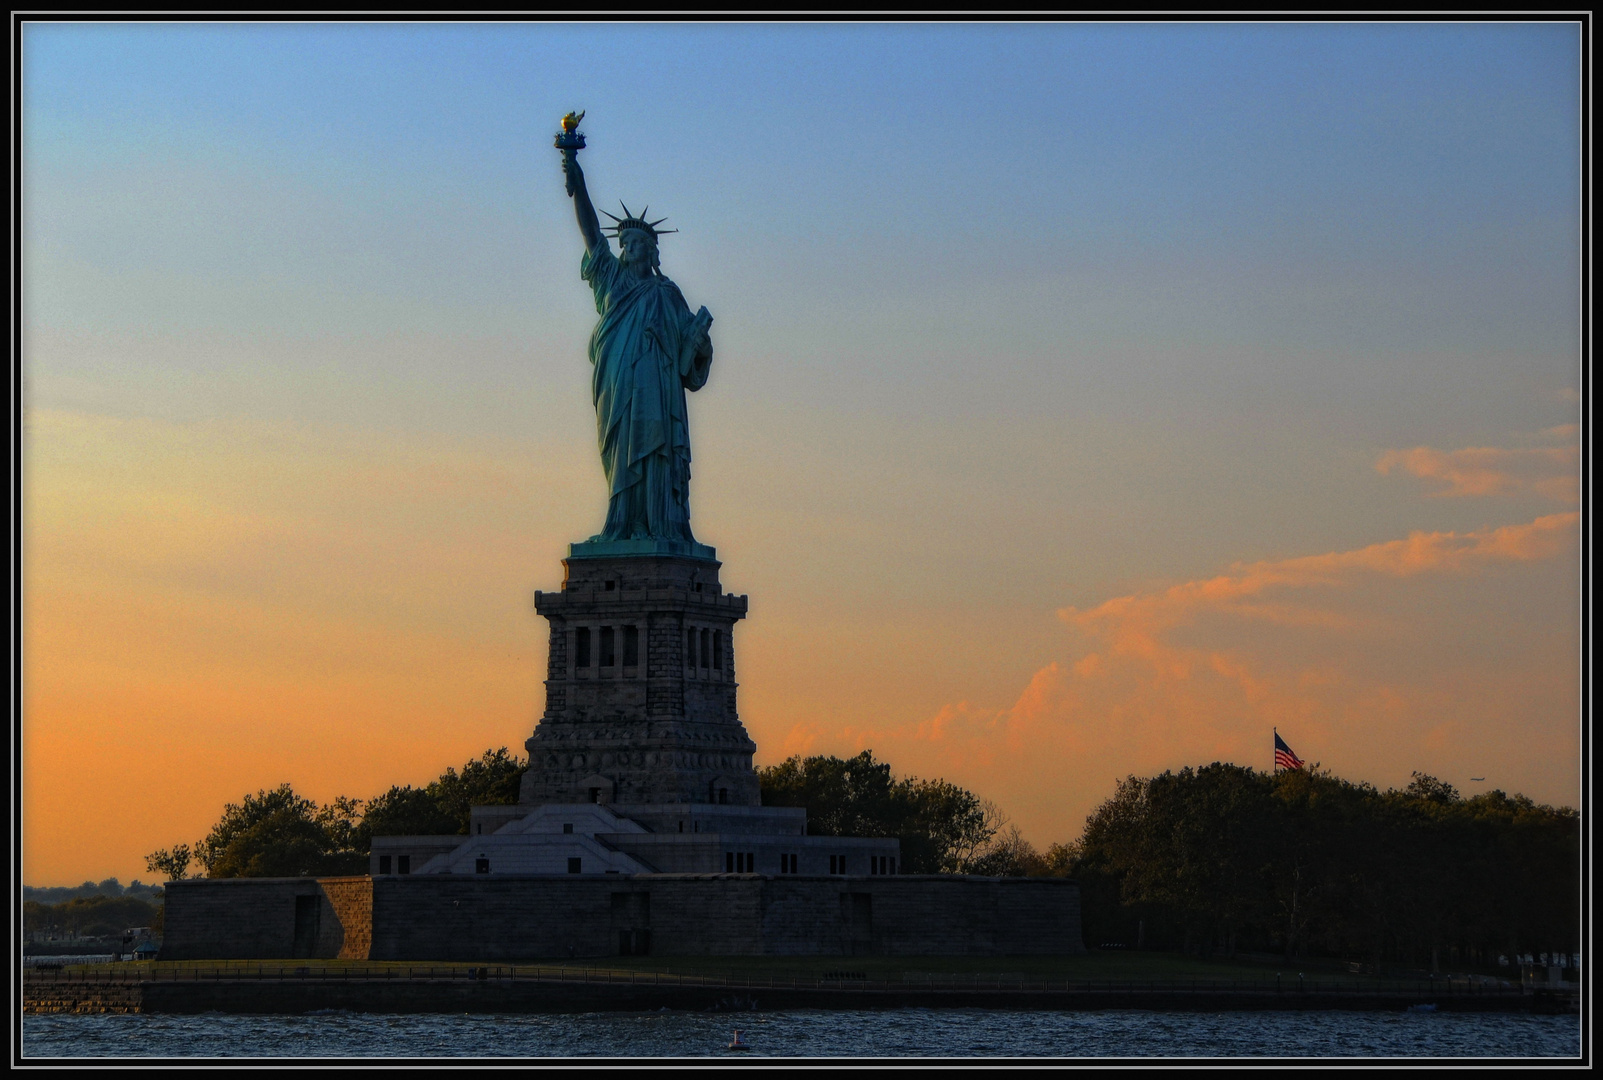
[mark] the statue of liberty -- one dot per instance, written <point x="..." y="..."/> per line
<point x="647" y="350"/>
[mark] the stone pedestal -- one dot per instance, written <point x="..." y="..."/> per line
<point x="640" y="684"/>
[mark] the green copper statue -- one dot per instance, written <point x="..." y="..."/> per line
<point x="647" y="350"/>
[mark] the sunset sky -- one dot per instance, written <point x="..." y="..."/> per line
<point x="1088" y="399"/>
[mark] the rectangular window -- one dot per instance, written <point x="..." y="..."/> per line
<point x="609" y="657"/>
<point x="893" y="866"/>
<point x="481" y="866"/>
<point x="690" y="648"/>
<point x="717" y="650"/>
<point x="751" y="862"/>
<point x="581" y="647"/>
<point x="567" y="826"/>
<point x="403" y="864"/>
<point x="706" y="651"/>
<point x="729" y="862"/>
<point x="383" y="864"/>
<point x="573" y="866"/>
<point x="631" y="646"/>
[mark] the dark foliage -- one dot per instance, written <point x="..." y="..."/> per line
<point x="57" y="894"/>
<point x="491" y="780"/>
<point x="281" y="834"/>
<point x="1304" y="863"/>
<point x="93" y="916"/>
<point x="405" y="811"/>
<point x="943" y="829"/>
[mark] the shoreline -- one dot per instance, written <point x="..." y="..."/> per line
<point x="504" y="990"/>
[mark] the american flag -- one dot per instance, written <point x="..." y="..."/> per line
<point x="1284" y="758"/>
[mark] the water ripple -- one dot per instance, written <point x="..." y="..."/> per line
<point x="808" y="1033"/>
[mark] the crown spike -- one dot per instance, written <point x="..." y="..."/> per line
<point x="631" y="220"/>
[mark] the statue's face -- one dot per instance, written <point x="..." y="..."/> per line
<point x="636" y="251"/>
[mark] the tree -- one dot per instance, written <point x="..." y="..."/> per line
<point x="948" y="828"/>
<point x="1304" y="862"/>
<point x="280" y="834"/>
<point x="493" y="779"/>
<point x="942" y="827"/>
<point x="171" y="863"/>
<point x="404" y="811"/>
<point x="1008" y="855"/>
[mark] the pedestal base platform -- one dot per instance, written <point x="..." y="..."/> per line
<point x="608" y="549"/>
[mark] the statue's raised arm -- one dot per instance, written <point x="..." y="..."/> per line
<point x="570" y="142"/>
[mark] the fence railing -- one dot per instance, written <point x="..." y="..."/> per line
<point x="981" y="982"/>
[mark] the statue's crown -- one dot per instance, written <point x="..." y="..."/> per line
<point x="633" y="221"/>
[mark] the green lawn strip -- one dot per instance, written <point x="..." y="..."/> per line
<point x="1162" y="968"/>
<point x="1168" y="969"/>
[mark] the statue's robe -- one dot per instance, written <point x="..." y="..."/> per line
<point x="647" y="350"/>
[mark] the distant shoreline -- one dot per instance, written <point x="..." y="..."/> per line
<point x="60" y="948"/>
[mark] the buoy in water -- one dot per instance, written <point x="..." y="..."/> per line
<point x="736" y="1044"/>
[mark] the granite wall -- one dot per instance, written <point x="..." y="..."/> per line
<point x="505" y="918"/>
<point x="267" y="918"/>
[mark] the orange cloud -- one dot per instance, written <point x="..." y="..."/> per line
<point x="1379" y="660"/>
<point x="1488" y="470"/>
<point x="1131" y="622"/>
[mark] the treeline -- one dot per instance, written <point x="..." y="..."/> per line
<point x="281" y="834"/>
<point x="1220" y="858"/>
<point x="56" y="894"/>
<point x="1229" y="859"/>
<point x="1304" y="863"/>
<point x="89" y="916"/>
<point x="277" y="833"/>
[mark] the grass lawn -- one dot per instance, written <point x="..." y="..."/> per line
<point x="1109" y="966"/>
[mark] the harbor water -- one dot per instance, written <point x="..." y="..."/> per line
<point x="807" y="1033"/>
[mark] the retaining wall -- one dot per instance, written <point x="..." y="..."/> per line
<point x="507" y="917"/>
